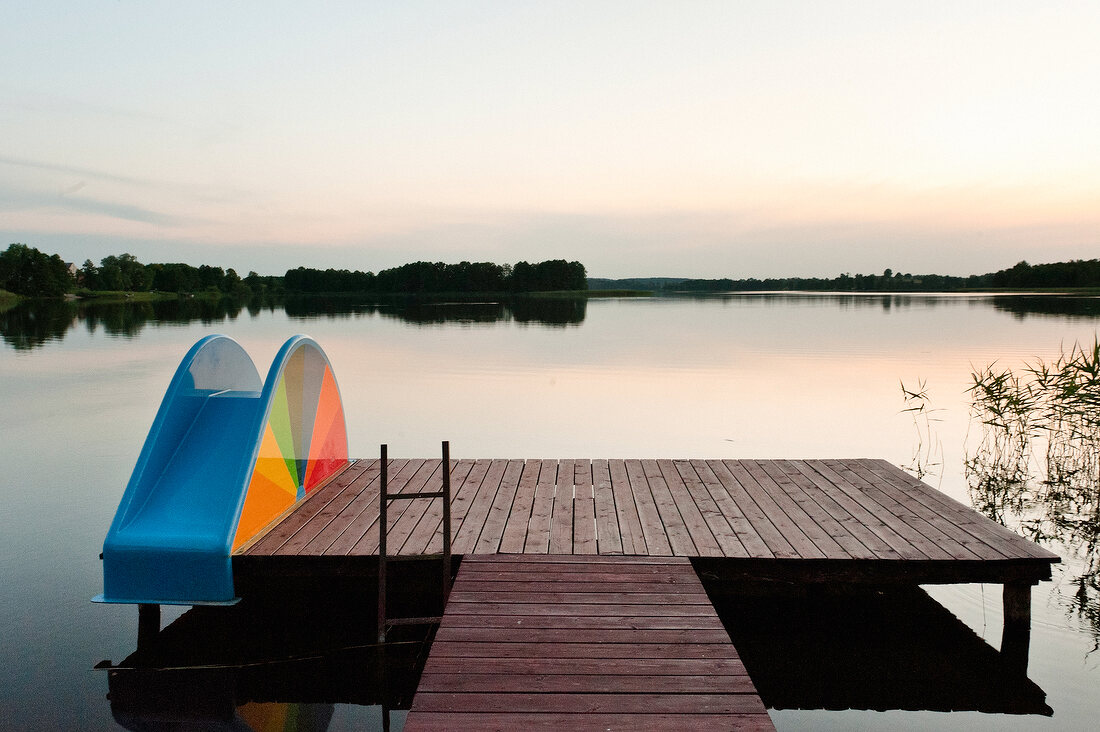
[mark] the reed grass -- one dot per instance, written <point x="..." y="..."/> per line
<point x="1046" y="415"/>
<point x="927" y="457"/>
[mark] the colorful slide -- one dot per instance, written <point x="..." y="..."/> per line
<point x="223" y="459"/>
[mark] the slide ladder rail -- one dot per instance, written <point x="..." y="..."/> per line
<point x="223" y="459"/>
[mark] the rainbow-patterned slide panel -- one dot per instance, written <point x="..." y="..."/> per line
<point x="224" y="458"/>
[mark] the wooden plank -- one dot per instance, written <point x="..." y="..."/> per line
<point x="462" y="495"/>
<point x="353" y="520"/>
<point x="341" y="490"/>
<point x="706" y="544"/>
<point x="584" y="509"/>
<point x="431" y="525"/>
<point x="411" y="479"/>
<point x="542" y="722"/>
<point x="791" y="526"/>
<point x="578" y="635"/>
<point x="561" y="521"/>
<point x="575" y="684"/>
<point x="542" y="509"/>
<point x="516" y="639"/>
<point x="589" y="703"/>
<point x="981" y="527"/>
<point x="626" y="510"/>
<point x="860" y="523"/>
<point x="728" y="543"/>
<point x="900" y="518"/>
<point x="585" y="598"/>
<point x="679" y="537"/>
<point x="662" y="561"/>
<point x="591" y="667"/>
<point x="584" y="650"/>
<point x="624" y="586"/>
<point x="569" y="573"/>
<point x="428" y="479"/>
<point x="936" y="527"/>
<point x="637" y="622"/>
<point x="609" y="540"/>
<point x="742" y="527"/>
<point x="493" y="531"/>
<point x="770" y="532"/>
<point x="653" y="528"/>
<point x="579" y="609"/>
<point x="869" y="512"/>
<point x="473" y="519"/>
<point x="515" y="527"/>
<point x="806" y="514"/>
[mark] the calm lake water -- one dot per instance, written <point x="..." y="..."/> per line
<point x="746" y="376"/>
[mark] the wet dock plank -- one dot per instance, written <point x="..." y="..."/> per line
<point x="579" y="643"/>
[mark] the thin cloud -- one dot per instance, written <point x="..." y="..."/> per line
<point x="204" y="194"/>
<point x="14" y="201"/>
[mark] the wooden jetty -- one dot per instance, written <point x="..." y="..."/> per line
<point x="570" y="642"/>
<point x="855" y="520"/>
<point x="858" y="521"/>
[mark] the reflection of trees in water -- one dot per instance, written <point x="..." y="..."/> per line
<point x="1063" y="306"/>
<point x="32" y="324"/>
<point x="551" y="311"/>
<point x="29" y="325"/>
<point x="1046" y="415"/>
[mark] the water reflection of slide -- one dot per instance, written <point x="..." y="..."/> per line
<point x="222" y="460"/>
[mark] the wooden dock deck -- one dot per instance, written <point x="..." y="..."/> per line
<point x="578" y="643"/>
<point x="865" y="519"/>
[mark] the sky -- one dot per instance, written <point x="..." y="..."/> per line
<point x="694" y="139"/>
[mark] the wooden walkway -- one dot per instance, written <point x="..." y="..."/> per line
<point x="582" y="643"/>
<point x="864" y="518"/>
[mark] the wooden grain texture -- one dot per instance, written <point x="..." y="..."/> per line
<point x="561" y="521"/>
<point x="584" y="509"/>
<point x="514" y="531"/>
<point x="430" y="527"/>
<point x="631" y="535"/>
<point x="628" y="661"/>
<point x="492" y="532"/>
<point x="542" y="509"/>
<point x="838" y="514"/>
<point x="547" y="722"/>
<point x="609" y="539"/>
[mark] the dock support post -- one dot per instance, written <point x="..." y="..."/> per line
<point x="383" y="503"/>
<point x="1016" y="634"/>
<point x="148" y="624"/>
<point x="446" y="522"/>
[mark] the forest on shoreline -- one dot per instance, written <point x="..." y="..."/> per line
<point x="1078" y="273"/>
<point x="27" y="272"/>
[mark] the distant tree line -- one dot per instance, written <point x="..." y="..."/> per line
<point x="1075" y="273"/>
<point x="26" y="271"/>
<point x="438" y="277"/>
<point x="125" y="273"/>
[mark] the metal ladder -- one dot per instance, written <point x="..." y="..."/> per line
<point x="385" y="622"/>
